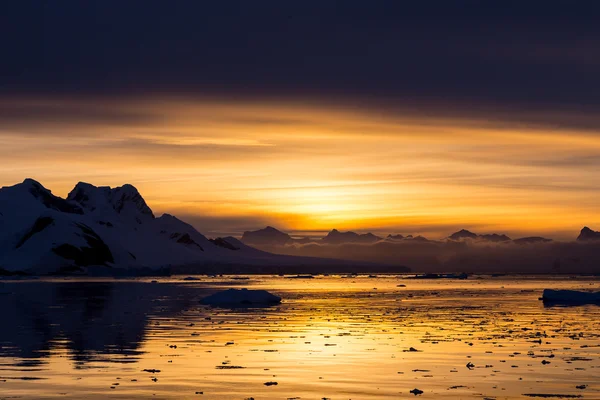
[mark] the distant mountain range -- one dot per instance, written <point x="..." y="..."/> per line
<point x="108" y="230"/>
<point x="462" y="251"/>
<point x="103" y="230"/>
<point x="587" y="234"/>
<point x="495" y="237"/>
<point x="270" y="236"/>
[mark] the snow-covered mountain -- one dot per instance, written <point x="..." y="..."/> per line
<point x="113" y="228"/>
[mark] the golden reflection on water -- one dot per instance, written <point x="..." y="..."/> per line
<point x="332" y="337"/>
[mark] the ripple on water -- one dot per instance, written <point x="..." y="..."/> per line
<point x="332" y="337"/>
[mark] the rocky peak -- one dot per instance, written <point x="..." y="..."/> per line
<point x="268" y="235"/>
<point x="490" y="237"/>
<point x="588" y="234"/>
<point x="337" y="237"/>
<point x="81" y="193"/>
<point x="420" y="238"/>
<point x="121" y="199"/>
<point x="128" y="194"/>
<point x="463" y="234"/>
<point x="395" y="237"/>
<point x="46" y="197"/>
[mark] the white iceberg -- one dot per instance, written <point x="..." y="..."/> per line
<point x="241" y="297"/>
<point x="570" y="297"/>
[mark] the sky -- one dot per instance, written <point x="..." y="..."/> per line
<point x="313" y="115"/>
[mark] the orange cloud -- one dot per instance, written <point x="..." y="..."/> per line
<point x="306" y="167"/>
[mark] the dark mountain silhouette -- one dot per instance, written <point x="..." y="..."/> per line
<point x="462" y="251"/>
<point x="394" y="237"/>
<point x="268" y="235"/>
<point x="417" y="238"/>
<point x="463" y="234"/>
<point x="490" y="237"/>
<point x="337" y="237"/>
<point x="494" y="237"/>
<point x="588" y="234"/>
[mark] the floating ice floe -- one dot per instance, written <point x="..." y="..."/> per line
<point x="440" y="276"/>
<point x="570" y="297"/>
<point x="241" y="297"/>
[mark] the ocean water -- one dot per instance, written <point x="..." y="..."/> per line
<point x="332" y="338"/>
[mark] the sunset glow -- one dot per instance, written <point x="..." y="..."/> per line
<point x="299" y="199"/>
<point x="232" y="165"/>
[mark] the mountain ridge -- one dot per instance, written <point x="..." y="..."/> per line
<point x="588" y="234"/>
<point x="110" y="229"/>
<point x="274" y="237"/>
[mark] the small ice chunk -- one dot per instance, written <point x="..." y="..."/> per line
<point x="241" y="297"/>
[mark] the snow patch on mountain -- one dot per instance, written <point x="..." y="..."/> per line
<point x="111" y="228"/>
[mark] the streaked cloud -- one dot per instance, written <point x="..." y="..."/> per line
<point x="313" y="167"/>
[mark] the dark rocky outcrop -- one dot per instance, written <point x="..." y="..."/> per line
<point x="39" y="225"/>
<point x="95" y="253"/>
<point x="588" y="234"/>
<point x="187" y="240"/>
<point x="223" y="243"/>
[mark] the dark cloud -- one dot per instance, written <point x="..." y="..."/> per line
<point x="534" y="54"/>
<point x="128" y="112"/>
<point x="19" y="114"/>
<point x="147" y="151"/>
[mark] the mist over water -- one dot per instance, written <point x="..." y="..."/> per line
<point x="552" y="257"/>
<point x="332" y="337"/>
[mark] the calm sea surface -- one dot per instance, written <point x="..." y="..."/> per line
<point x="331" y="338"/>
